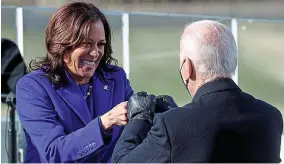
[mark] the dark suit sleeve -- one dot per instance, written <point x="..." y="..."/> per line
<point x="138" y="145"/>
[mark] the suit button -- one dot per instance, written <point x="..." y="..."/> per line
<point x="90" y="146"/>
<point x="94" y="144"/>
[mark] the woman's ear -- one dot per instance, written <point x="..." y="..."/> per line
<point x="66" y="58"/>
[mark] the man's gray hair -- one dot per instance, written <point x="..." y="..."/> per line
<point x="212" y="48"/>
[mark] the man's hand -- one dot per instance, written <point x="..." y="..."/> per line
<point x="164" y="103"/>
<point x="141" y="106"/>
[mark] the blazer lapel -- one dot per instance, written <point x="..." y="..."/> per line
<point x="103" y="94"/>
<point x="72" y="95"/>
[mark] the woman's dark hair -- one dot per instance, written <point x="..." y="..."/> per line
<point x="68" y="28"/>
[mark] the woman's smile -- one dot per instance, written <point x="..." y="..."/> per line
<point x="88" y="63"/>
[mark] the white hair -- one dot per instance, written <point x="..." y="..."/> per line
<point x="211" y="47"/>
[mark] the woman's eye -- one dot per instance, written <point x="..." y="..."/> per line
<point x="102" y="44"/>
<point x="88" y="44"/>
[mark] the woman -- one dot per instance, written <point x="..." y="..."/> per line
<point x="73" y="104"/>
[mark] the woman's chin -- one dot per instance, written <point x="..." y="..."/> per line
<point x="88" y="74"/>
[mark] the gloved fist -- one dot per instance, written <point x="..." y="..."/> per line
<point x="141" y="106"/>
<point x="164" y="103"/>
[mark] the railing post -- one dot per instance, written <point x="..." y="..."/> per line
<point x="20" y="29"/>
<point x="125" y="42"/>
<point x="234" y="27"/>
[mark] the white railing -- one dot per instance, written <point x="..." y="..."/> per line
<point x="125" y="30"/>
<point x="20" y="29"/>
<point x="125" y="41"/>
<point x="125" y="35"/>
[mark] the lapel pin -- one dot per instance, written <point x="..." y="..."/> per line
<point x="106" y="87"/>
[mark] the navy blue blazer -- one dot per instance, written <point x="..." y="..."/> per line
<point x="222" y="124"/>
<point x="57" y="122"/>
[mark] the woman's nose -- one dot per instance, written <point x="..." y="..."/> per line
<point x="94" y="53"/>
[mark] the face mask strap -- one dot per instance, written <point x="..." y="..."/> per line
<point x="187" y="80"/>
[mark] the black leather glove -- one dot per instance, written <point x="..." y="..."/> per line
<point x="164" y="103"/>
<point x="141" y="106"/>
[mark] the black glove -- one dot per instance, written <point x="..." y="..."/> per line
<point x="164" y="103"/>
<point x="141" y="106"/>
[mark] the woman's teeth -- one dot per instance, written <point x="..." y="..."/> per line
<point x="88" y="63"/>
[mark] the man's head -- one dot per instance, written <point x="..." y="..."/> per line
<point x="207" y="51"/>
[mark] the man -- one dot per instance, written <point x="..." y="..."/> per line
<point x="221" y="124"/>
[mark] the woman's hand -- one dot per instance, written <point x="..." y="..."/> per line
<point x="116" y="116"/>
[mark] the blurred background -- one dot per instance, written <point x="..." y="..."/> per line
<point x="155" y="27"/>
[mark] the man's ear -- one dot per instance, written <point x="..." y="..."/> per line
<point x="190" y="69"/>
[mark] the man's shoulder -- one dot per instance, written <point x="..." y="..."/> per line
<point x="180" y="113"/>
<point x="182" y="109"/>
<point x="270" y="109"/>
<point x="261" y="105"/>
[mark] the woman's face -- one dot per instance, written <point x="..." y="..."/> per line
<point x="83" y="60"/>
